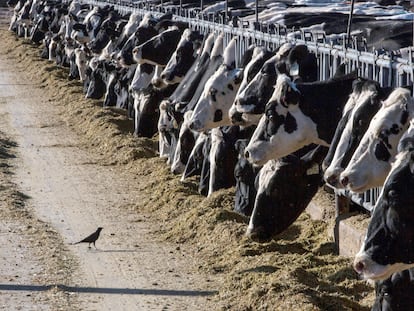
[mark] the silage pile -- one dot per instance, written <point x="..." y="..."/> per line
<point x="297" y="271"/>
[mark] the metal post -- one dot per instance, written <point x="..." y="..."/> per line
<point x="226" y="11"/>
<point x="256" y="3"/>
<point x="348" y="29"/>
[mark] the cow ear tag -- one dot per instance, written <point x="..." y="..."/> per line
<point x="294" y="69"/>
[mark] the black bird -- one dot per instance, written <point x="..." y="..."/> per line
<point x="91" y="238"/>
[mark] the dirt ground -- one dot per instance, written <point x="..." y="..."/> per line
<point x="67" y="166"/>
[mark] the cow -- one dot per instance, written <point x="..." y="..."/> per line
<point x="284" y="189"/>
<point x="188" y="92"/>
<point x="395" y="293"/>
<point x="371" y="161"/>
<point x="126" y="43"/>
<point x="297" y="115"/>
<point x="183" y="57"/>
<point x="296" y="61"/>
<point x="213" y="110"/>
<point x="219" y="92"/>
<point x="388" y="246"/>
<point x="159" y="49"/>
<point x="363" y="104"/>
<point x="222" y="157"/>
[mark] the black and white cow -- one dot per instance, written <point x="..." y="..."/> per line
<point x="363" y="104"/>
<point x="389" y="242"/>
<point x="218" y="94"/>
<point x="127" y="42"/>
<point x="371" y="161"/>
<point x="158" y="50"/>
<point x="183" y="57"/>
<point x="189" y="90"/>
<point x="296" y="61"/>
<point x="284" y="189"/>
<point x="395" y="293"/>
<point x="214" y="111"/>
<point x="297" y="115"/>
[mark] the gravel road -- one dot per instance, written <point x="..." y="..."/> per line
<point x="65" y="189"/>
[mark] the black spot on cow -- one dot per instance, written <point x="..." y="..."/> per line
<point x="230" y="87"/>
<point x="290" y="124"/>
<point x="218" y="115"/>
<point x="404" y="117"/>
<point x="381" y="152"/>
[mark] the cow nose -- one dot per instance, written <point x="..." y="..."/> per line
<point x="332" y="180"/>
<point x="345" y="181"/>
<point x="359" y="266"/>
<point x="236" y="117"/>
<point x="246" y="154"/>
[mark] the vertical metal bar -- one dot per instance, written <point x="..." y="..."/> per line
<point x="348" y="29"/>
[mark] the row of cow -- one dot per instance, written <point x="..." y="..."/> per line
<point x="262" y="126"/>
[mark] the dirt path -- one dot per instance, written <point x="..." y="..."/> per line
<point x="73" y="193"/>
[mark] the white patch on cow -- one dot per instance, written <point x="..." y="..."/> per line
<point x="218" y="46"/>
<point x="141" y="79"/>
<point x="364" y="170"/>
<point x="208" y="44"/>
<point x="282" y="83"/>
<point x="229" y="54"/>
<point x="108" y="51"/>
<point x="163" y="125"/>
<point x="374" y="271"/>
<point x="354" y="102"/>
<point x="81" y="63"/>
<point x="284" y="50"/>
<point x="139" y="99"/>
<point x="216" y="139"/>
<point x="258" y="53"/>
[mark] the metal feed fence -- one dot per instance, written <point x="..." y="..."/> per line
<point x="386" y="68"/>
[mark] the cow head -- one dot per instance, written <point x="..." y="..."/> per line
<point x="371" y="161"/>
<point x="283" y="128"/>
<point x="183" y="57"/>
<point x="278" y="204"/>
<point x="159" y="49"/>
<point x="363" y="103"/>
<point x="220" y="89"/>
<point x="389" y="243"/>
<point x="250" y="103"/>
